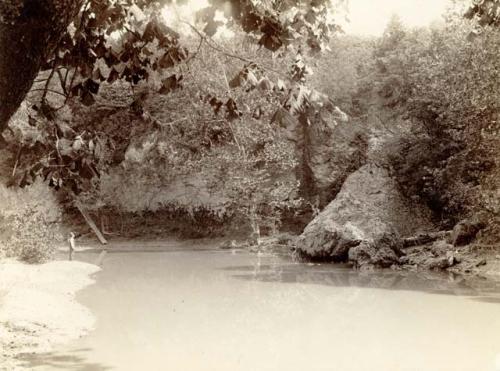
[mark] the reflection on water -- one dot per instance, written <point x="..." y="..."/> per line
<point x="324" y="274"/>
<point x="235" y="311"/>
<point x="74" y="360"/>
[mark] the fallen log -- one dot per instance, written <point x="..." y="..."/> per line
<point x="91" y="224"/>
<point x="423" y="238"/>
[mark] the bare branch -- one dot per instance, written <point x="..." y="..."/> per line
<point x="62" y="80"/>
<point x="48" y="91"/>
<point x="215" y="46"/>
<point x="46" y="87"/>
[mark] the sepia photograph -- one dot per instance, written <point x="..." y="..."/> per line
<point x="250" y="185"/>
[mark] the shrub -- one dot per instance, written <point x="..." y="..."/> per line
<point x="29" y="221"/>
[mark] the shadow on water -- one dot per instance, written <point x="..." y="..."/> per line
<point x="74" y="360"/>
<point x="476" y="288"/>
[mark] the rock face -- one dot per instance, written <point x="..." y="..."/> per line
<point x="334" y="153"/>
<point x="328" y="147"/>
<point x="368" y="208"/>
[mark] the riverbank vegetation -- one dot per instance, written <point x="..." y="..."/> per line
<point x="253" y="124"/>
<point x="442" y="82"/>
<point x="29" y="222"/>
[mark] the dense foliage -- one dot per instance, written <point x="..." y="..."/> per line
<point x="132" y="43"/>
<point x="29" y="223"/>
<point x="204" y="161"/>
<point x="487" y="12"/>
<point x="441" y="85"/>
<point x="449" y="82"/>
<point x="134" y="40"/>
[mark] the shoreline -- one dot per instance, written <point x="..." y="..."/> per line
<point x="474" y="261"/>
<point x="38" y="307"/>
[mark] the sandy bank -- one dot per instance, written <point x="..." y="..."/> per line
<point x="38" y="308"/>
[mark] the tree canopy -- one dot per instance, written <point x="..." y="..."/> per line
<point x="132" y="39"/>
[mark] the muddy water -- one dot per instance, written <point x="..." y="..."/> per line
<point x="222" y="310"/>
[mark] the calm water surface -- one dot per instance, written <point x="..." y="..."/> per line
<point x="223" y="310"/>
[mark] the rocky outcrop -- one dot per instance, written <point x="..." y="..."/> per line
<point x="435" y="255"/>
<point x="334" y="152"/>
<point x="466" y="231"/>
<point x="328" y="147"/>
<point x="368" y="208"/>
<point x="383" y="252"/>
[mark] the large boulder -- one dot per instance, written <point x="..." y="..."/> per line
<point x="368" y="207"/>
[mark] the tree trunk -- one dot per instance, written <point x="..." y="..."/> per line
<point x="254" y="223"/>
<point x="29" y="32"/>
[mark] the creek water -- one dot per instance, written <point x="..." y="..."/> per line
<point x="223" y="310"/>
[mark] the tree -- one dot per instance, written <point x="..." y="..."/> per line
<point x="29" y="33"/>
<point x="447" y="84"/>
<point x="128" y="43"/>
<point x="394" y="34"/>
<point x="44" y="34"/>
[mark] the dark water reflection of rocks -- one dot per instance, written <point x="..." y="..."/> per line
<point x="477" y="288"/>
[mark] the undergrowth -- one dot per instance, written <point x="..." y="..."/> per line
<point x="29" y="223"/>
